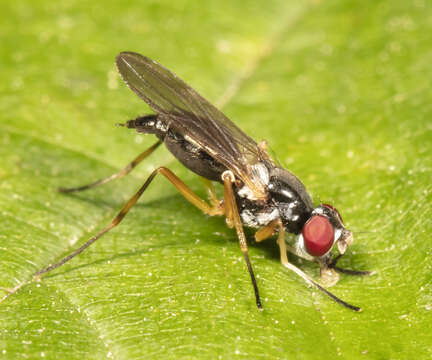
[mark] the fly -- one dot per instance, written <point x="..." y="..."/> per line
<point x="257" y="192"/>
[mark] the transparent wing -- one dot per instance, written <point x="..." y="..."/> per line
<point x="189" y="114"/>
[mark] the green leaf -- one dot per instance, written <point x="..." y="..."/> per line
<point x="341" y="91"/>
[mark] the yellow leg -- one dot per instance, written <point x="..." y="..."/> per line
<point x="267" y="230"/>
<point x="303" y="275"/>
<point x="211" y="193"/>
<point x="181" y="187"/>
<point x="126" y="170"/>
<point x="233" y="217"/>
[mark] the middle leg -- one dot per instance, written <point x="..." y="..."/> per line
<point x="233" y="218"/>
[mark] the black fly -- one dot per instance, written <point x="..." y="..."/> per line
<point x="257" y="193"/>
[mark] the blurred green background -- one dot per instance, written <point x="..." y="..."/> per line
<point x="341" y="91"/>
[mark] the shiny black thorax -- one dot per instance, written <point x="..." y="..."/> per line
<point x="287" y="200"/>
<point x="287" y="197"/>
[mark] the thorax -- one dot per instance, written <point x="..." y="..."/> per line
<point x="287" y="200"/>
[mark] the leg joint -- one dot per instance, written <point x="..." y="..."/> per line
<point x="227" y="175"/>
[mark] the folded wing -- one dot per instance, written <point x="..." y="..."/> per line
<point x="190" y="115"/>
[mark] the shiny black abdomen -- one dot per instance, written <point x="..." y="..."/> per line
<point x="193" y="157"/>
<point x="190" y="155"/>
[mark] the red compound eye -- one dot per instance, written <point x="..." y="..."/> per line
<point x="334" y="209"/>
<point x="318" y="235"/>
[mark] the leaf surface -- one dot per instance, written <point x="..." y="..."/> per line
<point x="339" y="89"/>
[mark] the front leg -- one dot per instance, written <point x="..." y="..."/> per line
<point x="303" y="275"/>
<point x="332" y="265"/>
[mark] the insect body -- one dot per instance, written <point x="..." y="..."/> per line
<point x="257" y="193"/>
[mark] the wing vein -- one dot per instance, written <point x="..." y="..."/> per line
<point x="191" y="116"/>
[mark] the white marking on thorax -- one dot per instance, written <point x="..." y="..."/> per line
<point x="293" y="204"/>
<point x="264" y="218"/>
<point x="259" y="173"/>
<point x="160" y="125"/>
<point x="248" y="218"/>
<point x="287" y="193"/>
<point x="259" y="219"/>
<point x="289" y="212"/>
<point x="246" y="192"/>
<point x="261" y="170"/>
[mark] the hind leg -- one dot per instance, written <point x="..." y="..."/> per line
<point x="181" y="187"/>
<point x="126" y="170"/>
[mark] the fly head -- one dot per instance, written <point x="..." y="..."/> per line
<point x="321" y="232"/>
